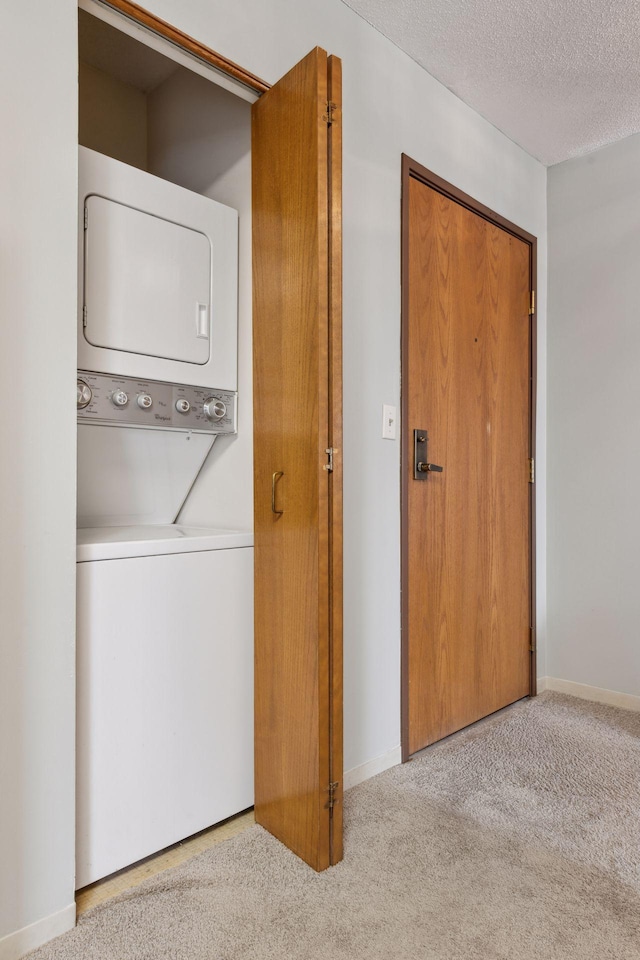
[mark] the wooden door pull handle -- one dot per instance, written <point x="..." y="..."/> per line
<point x="277" y="475"/>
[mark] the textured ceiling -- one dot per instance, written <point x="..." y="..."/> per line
<point x="560" y="77"/>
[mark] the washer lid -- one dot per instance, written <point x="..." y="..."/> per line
<point x="117" y="543"/>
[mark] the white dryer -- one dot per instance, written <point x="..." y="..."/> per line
<point x="157" y="278"/>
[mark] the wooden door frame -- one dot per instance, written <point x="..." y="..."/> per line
<point x="413" y="169"/>
<point x="187" y="44"/>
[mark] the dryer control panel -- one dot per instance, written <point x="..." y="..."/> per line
<point x="103" y="398"/>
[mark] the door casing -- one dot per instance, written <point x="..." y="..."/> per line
<point x="188" y="44"/>
<point x="413" y="169"/>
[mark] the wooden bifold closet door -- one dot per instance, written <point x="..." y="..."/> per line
<point x="296" y="210"/>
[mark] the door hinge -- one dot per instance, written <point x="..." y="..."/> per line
<point x="532" y="303"/>
<point x="532" y="470"/>
<point x="330" y="452"/>
<point x="328" y="116"/>
<point x="532" y="643"/>
<point x="86" y="218"/>
<point x="84" y="316"/>
<point x="332" y="789"/>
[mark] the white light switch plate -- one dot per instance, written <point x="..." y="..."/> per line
<point x="388" y="422"/>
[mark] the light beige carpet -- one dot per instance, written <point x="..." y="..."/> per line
<point x="519" y="838"/>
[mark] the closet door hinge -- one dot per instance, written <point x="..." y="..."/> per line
<point x="86" y="218"/>
<point x="328" y="116"/>
<point x="532" y="641"/>
<point x="332" y="789"/>
<point x="84" y="316"/>
<point x="330" y="452"/>
<point x="532" y="470"/>
<point x="532" y="303"/>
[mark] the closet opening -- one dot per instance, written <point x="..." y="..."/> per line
<point x="165" y="436"/>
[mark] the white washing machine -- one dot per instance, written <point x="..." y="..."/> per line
<point x="165" y="611"/>
<point x="165" y="689"/>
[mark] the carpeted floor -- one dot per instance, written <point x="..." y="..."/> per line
<point x="518" y="838"/>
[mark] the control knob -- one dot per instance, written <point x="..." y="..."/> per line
<point x="144" y="401"/>
<point x="119" y="398"/>
<point x="85" y="394"/>
<point x="183" y="405"/>
<point x="214" y="409"/>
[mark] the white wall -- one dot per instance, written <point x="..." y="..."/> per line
<point x="112" y="117"/>
<point x="390" y="106"/>
<point x="37" y="468"/>
<point x="200" y="138"/>
<point x="594" y="401"/>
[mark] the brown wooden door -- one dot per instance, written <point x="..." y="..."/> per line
<point x="467" y="530"/>
<point x="296" y="209"/>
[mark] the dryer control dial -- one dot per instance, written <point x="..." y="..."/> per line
<point x="144" y="401"/>
<point x="119" y="398"/>
<point x="214" y="409"/>
<point x="183" y="405"/>
<point x="85" y="394"/>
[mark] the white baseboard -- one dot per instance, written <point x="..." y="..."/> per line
<point x="369" y="769"/>
<point x="611" y="697"/>
<point x="15" y="945"/>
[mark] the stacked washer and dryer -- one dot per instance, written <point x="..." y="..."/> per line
<point x="165" y="612"/>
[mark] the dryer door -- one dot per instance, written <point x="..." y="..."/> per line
<point x="147" y="283"/>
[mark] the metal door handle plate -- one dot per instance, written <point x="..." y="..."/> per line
<point x="421" y="465"/>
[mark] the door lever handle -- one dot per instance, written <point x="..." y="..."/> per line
<point x="421" y="466"/>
